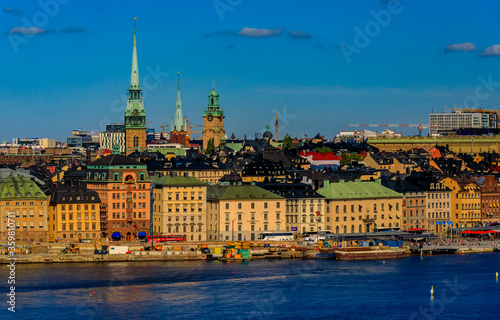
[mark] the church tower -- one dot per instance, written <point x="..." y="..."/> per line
<point x="135" y="115"/>
<point x="213" y="120"/>
<point x="179" y="132"/>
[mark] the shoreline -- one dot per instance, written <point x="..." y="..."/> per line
<point x="187" y="255"/>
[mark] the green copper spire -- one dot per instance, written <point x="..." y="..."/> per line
<point x="213" y="100"/>
<point x="178" y="125"/>
<point x="135" y="115"/>
<point x="134" y="79"/>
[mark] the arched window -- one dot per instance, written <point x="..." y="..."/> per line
<point x="136" y="141"/>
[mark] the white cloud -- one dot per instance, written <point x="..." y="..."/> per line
<point x="490" y="51"/>
<point x="260" y="33"/>
<point x="465" y="47"/>
<point x="23" y="30"/>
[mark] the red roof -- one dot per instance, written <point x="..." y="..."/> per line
<point x="321" y="156"/>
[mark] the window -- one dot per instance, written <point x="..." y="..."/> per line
<point x="227" y="206"/>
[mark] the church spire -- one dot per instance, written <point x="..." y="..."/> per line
<point x="178" y="103"/>
<point x="178" y="121"/>
<point x="134" y="79"/>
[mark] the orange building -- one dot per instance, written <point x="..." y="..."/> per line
<point x="123" y="185"/>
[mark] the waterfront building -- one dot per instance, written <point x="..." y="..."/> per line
<point x="28" y="205"/>
<point x="305" y="208"/>
<point x="123" y="186"/>
<point x="213" y="121"/>
<point x="178" y="133"/>
<point x="465" y="201"/>
<point x="490" y="200"/>
<point x="179" y="207"/>
<point x="113" y="135"/>
<point x="460" y="119"/>
<point x="135" y="114"/>
<point x="414" y="203"/>
<point x="73" y="214"/>
<point x="242" y="212"/>
<point x="438" y="211"/>
<point x="457" y="144"/>
<point x="361" y="206"/>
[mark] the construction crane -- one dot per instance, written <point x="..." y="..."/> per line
<point x="163" y="126"/>
<point x="191" y="131"/>
<point x="395" y="125"/>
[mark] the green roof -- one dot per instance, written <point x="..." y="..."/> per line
<point x="19" y="187"/>
<point x="164" y="151"/>
<point x="236" y="146"/>
<point x="175" y="181"/>
<point x="357" y="190"/>
<point x="239" y="192"/>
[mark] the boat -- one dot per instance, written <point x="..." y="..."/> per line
<point x="350" y="255"/>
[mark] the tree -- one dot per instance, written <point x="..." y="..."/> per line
<point x="287" y="141"/>
<point x="323" y="150"/>
<point x="210" y="149"/>
<point x="348" y="157"/>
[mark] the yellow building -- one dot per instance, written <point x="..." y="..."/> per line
<point x="438" y="207"/>
<point x="465" y="202"/>
<point x="243" y="212"/>
<point x="207" y="174"/>
<point x="179" y="207"/>
<point x="74" y="214"/>
<point x="361" y="206"/>
<point x="23" y="203"/>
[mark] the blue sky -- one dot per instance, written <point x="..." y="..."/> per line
<point x="307" y="61"/>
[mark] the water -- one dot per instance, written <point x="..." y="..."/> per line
<point x="464" y="288"/>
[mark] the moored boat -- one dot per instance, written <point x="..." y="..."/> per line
<point x="368" y="254"/>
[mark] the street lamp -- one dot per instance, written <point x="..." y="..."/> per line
<point x="318" y="214"/>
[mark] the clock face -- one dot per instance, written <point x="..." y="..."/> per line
<point x="210" y="118"/>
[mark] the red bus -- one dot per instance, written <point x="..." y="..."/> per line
<point x="164" y="238"/>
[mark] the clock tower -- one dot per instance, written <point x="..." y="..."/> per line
<point x="135" y="115"/>
<point x="213" y="120"/>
